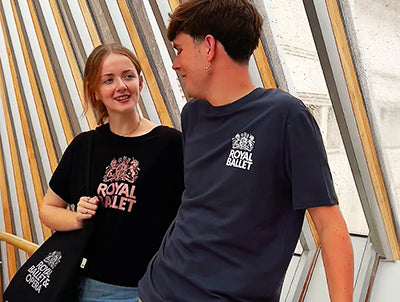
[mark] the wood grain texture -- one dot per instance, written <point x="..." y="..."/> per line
<point x="72" y="62"/>
<point x="364" y="130"/>
<point x="15" y="158"/>
<point x="5" y="202"/>
<point x="33" y="160"/>
<point x="19" y="243"/>
<point x="91" y="27"/>
<point x="67" y="129"/>
<point x="264" y="67"/>
<point x="146" y="68"/>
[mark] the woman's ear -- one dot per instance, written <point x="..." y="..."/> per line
<point x="140" y="83"/>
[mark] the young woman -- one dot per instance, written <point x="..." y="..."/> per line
<point x="136" y="179"/>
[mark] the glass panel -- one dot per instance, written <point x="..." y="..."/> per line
<point x="301" y="59"/>
<point x="376" y="28"/>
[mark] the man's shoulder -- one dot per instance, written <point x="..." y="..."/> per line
<point x="282" y="98"/>
<point x="279" y="102"/>
<point x="193" y="103"/>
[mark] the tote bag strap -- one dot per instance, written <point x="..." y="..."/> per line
<point x="89" y="223"/>
<point x="89" y="154"/>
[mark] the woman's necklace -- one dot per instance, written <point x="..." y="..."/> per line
<point x="133" y="131"/>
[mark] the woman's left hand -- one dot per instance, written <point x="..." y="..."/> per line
<point x="86" y="208"/>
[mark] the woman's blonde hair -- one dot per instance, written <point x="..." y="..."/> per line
<point x="92" y="73"/>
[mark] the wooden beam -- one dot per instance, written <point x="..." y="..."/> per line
<point x="50" y="73"/>
<point x="18" y="175"/>
<point x="263" y="67"/>
<point x="5" y="200"/>
<point x="72" y="61"/>
<point x="87" y="16"/>
<point x="363" y="124"/>
<point x="19" y="243"/>
<point x="38" y="186"/>
<point x="173" y="4"/>
<point x="146" y="68"/>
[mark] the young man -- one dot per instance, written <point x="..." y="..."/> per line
<point x="254" y="162"/>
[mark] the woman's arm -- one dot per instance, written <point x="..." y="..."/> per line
<point x="55" y="215"/>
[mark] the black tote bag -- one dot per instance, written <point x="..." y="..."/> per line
<point x="53" y="272"/>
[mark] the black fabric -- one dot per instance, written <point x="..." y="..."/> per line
<point x="42" y="279"/>
<point x="139" y="182"/>
<point x="251" y="169"/>
<point x="53" y="272"/>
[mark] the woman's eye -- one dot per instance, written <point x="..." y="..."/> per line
<point x="129" y="76"/>
<point x="107" y="81"/>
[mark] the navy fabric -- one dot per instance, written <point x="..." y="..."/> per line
<point x="139" y="182"/>
<point x="251" y="169"/>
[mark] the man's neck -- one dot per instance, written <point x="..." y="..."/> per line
<point x="225" y="97"/>
<point x="229" y="85"/>
<point x="228" y="80"/>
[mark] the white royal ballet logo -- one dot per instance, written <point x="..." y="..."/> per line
<point x="240" y="155"/>
<point x="39" y="275"/>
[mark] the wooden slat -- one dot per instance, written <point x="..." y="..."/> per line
<point x="72" y="61"/>
<point x="38" y="186"/>
<point x="144" y="63"/>
<point x="313" y="230"/>
<point x="89" y="23"/>
<point x="173" y="4"/>
<point x="363" y="124"/>
<point x="264" y="67"/>
<point x="51" y="75"/>
<point x="19" y="243"/>
<point x="21" y="198"/>
<point x="5" y="200"/>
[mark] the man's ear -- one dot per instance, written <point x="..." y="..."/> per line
<point x="210" y="44"/>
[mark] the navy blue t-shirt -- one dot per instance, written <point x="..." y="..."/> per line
<point x="251" y="169"/>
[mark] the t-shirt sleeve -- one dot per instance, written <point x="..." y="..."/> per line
<point x="307" y="163"/>
<point x="68" y="180"/>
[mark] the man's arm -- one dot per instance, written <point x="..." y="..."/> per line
<point x="337" y="252"/>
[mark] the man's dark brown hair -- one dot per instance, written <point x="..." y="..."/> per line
<point x="234" y="23"/>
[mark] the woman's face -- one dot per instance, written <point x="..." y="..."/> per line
<point x="119" y="84"/>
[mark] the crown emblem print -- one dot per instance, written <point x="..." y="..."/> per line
<point x="123" y="169"/>
<point x="53" y="258"/>
<point x="243" y="141"/>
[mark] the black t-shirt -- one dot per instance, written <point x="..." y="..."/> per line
<point x="139" y="182"/>
<point x="251" y="169"/>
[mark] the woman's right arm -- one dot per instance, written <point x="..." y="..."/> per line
<point x="55" y="215"/>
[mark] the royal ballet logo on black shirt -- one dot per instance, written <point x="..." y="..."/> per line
<point x="123" y="169"/>
<point x="240" y="155"/>
<point x="117" y="189"/>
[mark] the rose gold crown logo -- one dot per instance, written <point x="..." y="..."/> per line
<point x="123" y="169"/>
